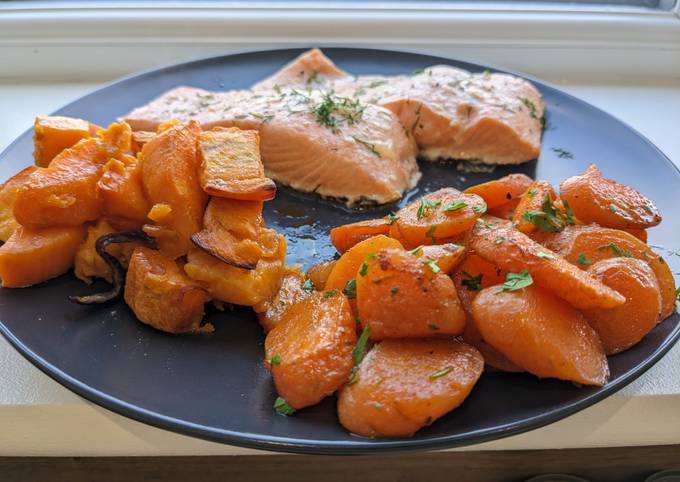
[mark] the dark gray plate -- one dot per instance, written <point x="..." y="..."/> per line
<point x="215" y="386"/>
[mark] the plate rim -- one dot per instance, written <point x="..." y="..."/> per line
<point x="361" y="445"/>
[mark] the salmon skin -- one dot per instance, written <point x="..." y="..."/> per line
<point x="323" y="130"/>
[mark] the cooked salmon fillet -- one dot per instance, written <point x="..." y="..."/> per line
<point x="310" y="69"/>
<point x="310" y="140"/>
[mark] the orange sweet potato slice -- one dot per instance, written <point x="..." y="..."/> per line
<point x="346" y="268"/>
<point x="139" y="138"/>
<point x="584" y="245"/>
<point x="233" y="233"/>
<point x="8" y="194"/>
<point x="293" y="290"/>
<point x="170" y="178"/>
<point x="404" y="385"/>
<point x="531" y="202"/>
<point x="88" y="264"/>
<point x="622" y="327"/>
<point x="498" y="242"/>
<point x="161" y="295"/>
<point x="437" y="216"/>
<point x="53" y="134"/>
<point x="595" y="199"/>
<point x="231" y="166"/>
<point x="31" y="256"/>
<point x="501" y="191"/>
<point x="346" y="236"/>
<point x="401" y="295"/>
<point x="541" y="333"/>
<point x="122" y="190"/>
<point x="309" y="352"/>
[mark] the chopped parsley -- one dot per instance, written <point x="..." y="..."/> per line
<point x="417" y="251"/>
<point x="479" y="209"/>
<point x="430" y="233"/>
<point x="282" y="407"/>
<point x="308" y="286"/>
<point x="391" y="218"/>
<point x="358" y="354"/>
<point x="455" y="206"/>
<point x="472" y="283"/>
<point x="613" y="208"/>
<point x="432" y="265"/>
<point x="543" y="255"/>
<point x="275" y="360"/>
<point x="583" y="259"/>
<point x="433" y="327"/>
<point x="499" y="239"/>
<point x="562" y="153"/>
<point x="529" y="105"/>
<point x="548" y="219"/>
<point x="441" y="372"/>
<point x="394" y="291"/>
<point x="616" y="249"/>
<point x="517" y="281"/>
<point x="425" y="206"/>
<point x="677" y="294"/>
<point x="350" y="289"/>
<point x="364" y="266"/>
<point x="532" y="192"/>
<point x="329" y="293"/>
<point x="333" y="111"/>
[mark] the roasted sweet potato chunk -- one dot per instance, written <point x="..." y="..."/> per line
<point x="346" y="268"/>
<point x="345" y="236"/>
<point x="501" y="191"/>
<point x="585" y="245"/>
<point x="161" y="295"/>
<point x="53" y="134"/>
<point x="293" y="290"/>
<point x="405" y="385"/>
<point x="622" y="327"/>
<point x="31" y="256"/>
<point x="8" y="194"/>
<point x="595" y="199"/>
<point x="88" y="263"/>
<point x="231" y="166"/>
<point x="310" y="351"/>
<point x="139" y="138"/>
<point x="233" y="232"/>
<point x="498" y="242"/>
<point x="541" y="333"/>
<point x="437" y="216"/>
<point x="530" y="205"/>
<point x="402" y="295"/>
<point x="170" y="178"/>
<point x="122" y="190"/>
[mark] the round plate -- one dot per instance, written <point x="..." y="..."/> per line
<point x="215" y="386"/>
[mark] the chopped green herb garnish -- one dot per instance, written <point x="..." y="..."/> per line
<point x="425" y="206"/>
<point x="377" y="406"/>
<point x="360" y="347"/>
<point x="532" y="192"/>
<point x="616" y="249"/>
<point x="613" y="208"/>
<point x="314" y="78"/>
<point x="531" y="106"/>
<point x="329" y="293"/>
<point x="417" y="251"/>
<point x="391" y="218"/>
<point x="263" y="118"/>
<point x="369" y="145"/>
<point x="472" y="283"/>
<point x="677" y="294"/>
<point x="275" y="360"/>
<point x="517" y="281"/>
<point x="433" y="327"/>
<point x="541" y="254"/>
<point x="333" y="111"/>
<point x="486" y="73"/>
<point x="282" y="407"/>
<point x="548" y="219"/>
<point x="562" y="153"/>
<point x="308" y="286"/>
<point x="376" y="83"/>
<point x="479" y="209"/>
<point x="350" y="289"/>
<point x="583" y="259"/>
<point x="499" y="239"/>
<point x="441" y="372"/>
<point x="394" y="291"/>
<point x="430" y="233"/>
<point x="455" y="206"/>
<point x="364" y="266"/>
<point x="432" y="265"/>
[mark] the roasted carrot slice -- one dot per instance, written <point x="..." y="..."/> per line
<point x="233" y="233"/>
<point x="501" y="191"/>
<point x="530" y="206"/>
<point x="608" y="203"/>
<point x="402" y="295"/>
<point x="641" y="234"/>
<point x="346" y="268"/>
<point x="445" y="256"/>
<point x="498" y="242"/>
<point x="161" y="295"/>
<point x="584" y="245"/>
<point x="231" y="166"/>
<point x="346" y="236"/>
<point x="139" y="138"/>
<point x="294" y="289"/>
<point x="437" y="216"/>
<point x="8" y="194"/>
<point x="31" y="256"/>
<point x="122" y="190"/>
<point x="404" y="385"/>
<point x="318" y="274"/>
<point x="53" y="134"/>
<point x="170" y="177"/>
<point x="505" y="211"/>
<point x="541" y="333"/>
<point x="309" y="352"/>
<point x="622" y="327"/>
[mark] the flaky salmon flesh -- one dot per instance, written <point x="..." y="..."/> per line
<point x="323" y="130"/>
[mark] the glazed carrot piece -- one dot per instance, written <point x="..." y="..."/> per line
<point x="53" y="134"/>
<point x="345" y="236"/>
<point x="346" y="268"/>
<point x="122" y="191"/>
<point x="541" y="333"/>
<point x="318" y="274"/>
<point x="505" y="211"/>
<point x="608" y="203"/>
<point x="402" y="295"/>
<point x="161" y="295"/>
<point x="139" y="138"/>
<point x="445" y="256"/>
<point x="31" y="256"/>
<point x="585" y="245"/>
<point x="404" y="385"/>
<point x="293" y="290"/>
<point x="231" y="166"/>
<point x="501" y="191"/>
<point x="531" y="203"/>
<point x="641" y="234"/>
<point x="622" y="327"/>
<point x="498" y="242"/>
<point x="8" y="194"/>
<point x="309" y="352"/>
<point x="437" y="216"/>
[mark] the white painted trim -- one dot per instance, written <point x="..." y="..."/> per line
<point x="73" y="41"/>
